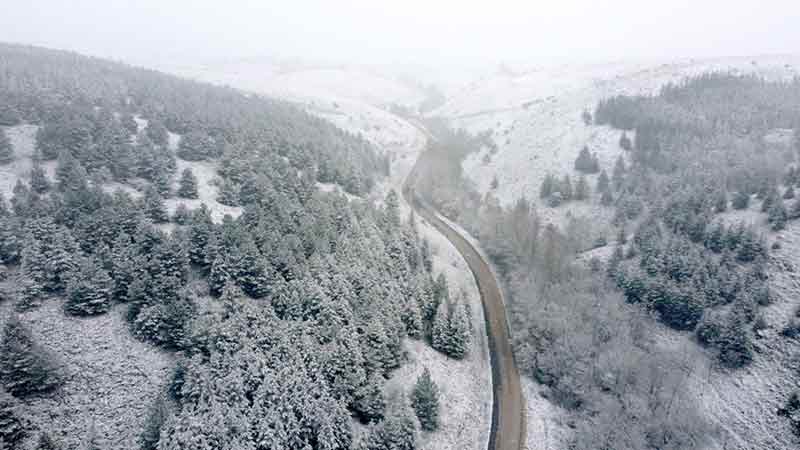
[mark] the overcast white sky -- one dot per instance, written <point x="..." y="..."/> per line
<point x="423" y="31"/>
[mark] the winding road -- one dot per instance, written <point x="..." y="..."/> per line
<point x="508" y="414"/>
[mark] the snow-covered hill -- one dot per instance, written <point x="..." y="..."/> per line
<point x="535" y="117"/>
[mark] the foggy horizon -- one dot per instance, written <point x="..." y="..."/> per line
<point x="440" y="34"/>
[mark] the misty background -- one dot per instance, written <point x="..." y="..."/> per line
<point x="153" y="32"/>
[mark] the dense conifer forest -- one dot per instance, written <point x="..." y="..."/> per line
<point x="284" y="321"/>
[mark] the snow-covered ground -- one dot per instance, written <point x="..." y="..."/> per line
<point x="23" y="142"/>
<point x="110" y="378"/>
<point x="534" y="115"/>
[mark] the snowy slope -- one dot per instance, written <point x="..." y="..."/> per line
<point x="535" y="117"/>
<point x="303" y="81"/>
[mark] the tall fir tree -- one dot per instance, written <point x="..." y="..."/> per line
<point x="39" y="181"/>
<point x="602" y="182"/>
<point x="618" y="174"/>
<point x="89" y="290"/>
<point x="13" y="427"/>
<point x="425" y="401"/>
<point x="582" y="189"/>
<point x="153" y="205"/>
<point x="25" y="367"/>
<point x="188" y="185"/>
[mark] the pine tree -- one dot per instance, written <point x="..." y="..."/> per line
<point x="618" y="174"/>
<point x="741" y="200"/>
<point x="157" y="132"/>
<point x="425" y="401"/>
<point x="606" y="199"/>
<point x="229" y="193"/>
<point x="47" y="443"/>
<point x="548" y="185"/>
<point x="89" y="290"/>
<point x="777" y="215"/>
<point x="582" y="189"/>
<point x="392" y="210"/>
<point x="153" y="205"/>
<point x="370" y="404"/>
<point x="188" y="185"/>
<point x="9" y="114"/>
<point x="156" y="417"/>
<point x="771" y="197"/>
<point x="397" y="432"/>
<point x="625" y="142"/>
<point x="459" y="331"/>
<point x="412" y="318"/>
<point x="343" y="366"/>
<point x="12" y="424"/>
<point x="25" y="368"/>
<point x="585" y="162"/>
<point x="439" y="335"/>
<point x="6" y="149"/>
<point x="220" y="275"/>
<point x="565" y="188"/>
<point x="586" y="116"/>
<point x="60" y="253"/>
<point x="602" y="182"/>
<point x="39" y="181"/>
<point x="720" y="201"/>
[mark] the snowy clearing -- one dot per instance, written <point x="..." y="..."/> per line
<point x="111" y="379"/>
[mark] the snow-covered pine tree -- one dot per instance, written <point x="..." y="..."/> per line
<point x="188" y="185"/>
<point x="459" y="331"/>
<point x="425" y="401"/>
<point x="153" y="205"/>
<point x="12" y="424"/>
<point x="25" y="367"/>
<point x="412" y="318"/>
<point x="397" y="432"/>
<point x="439" y="335"/>
<point x="39" y="181"/>
<point x="582" y="189"/>
<point x="88" y="290"/>
<point x="602" y="182"/>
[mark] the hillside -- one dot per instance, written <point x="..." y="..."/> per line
<point x="534" y="116"/>
<point x="170" y="258"/>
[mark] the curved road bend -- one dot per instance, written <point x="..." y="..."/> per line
<point x="508" y="416"/>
